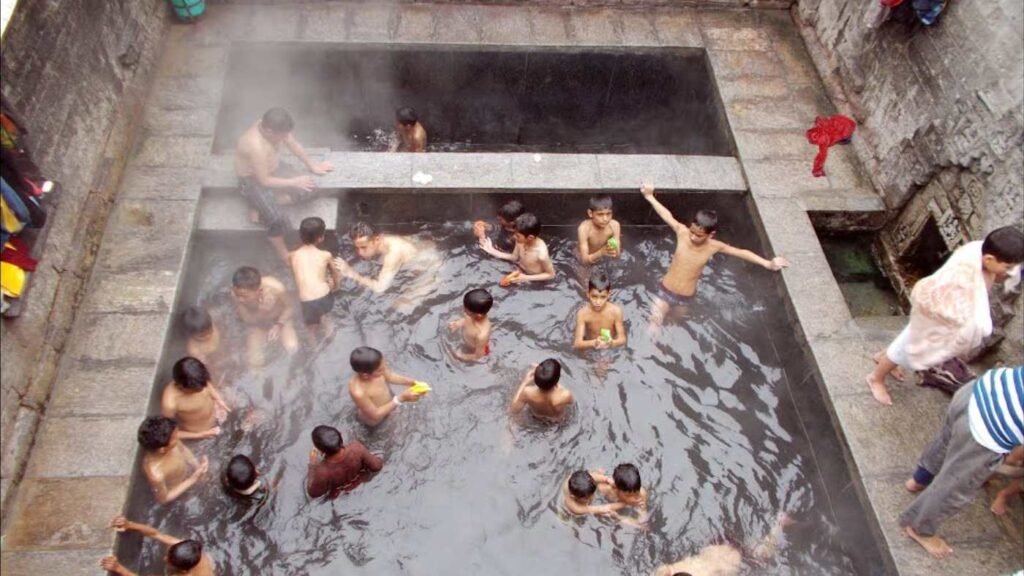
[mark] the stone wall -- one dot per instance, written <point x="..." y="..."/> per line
<point x="76" y="72"/>
<point x="941" y="123"/>
<point x="604" y="3"/>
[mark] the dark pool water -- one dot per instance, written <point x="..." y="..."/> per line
<point x="704" y="410"/>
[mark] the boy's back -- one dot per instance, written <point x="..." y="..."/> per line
<point x="551" y="404"/>
<point x="194" y="411"/>
<point x="310" y="266"/>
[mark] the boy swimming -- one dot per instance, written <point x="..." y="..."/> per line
<point x="600" y="235"/>
<point x="695" y="245"/>
<point x="166" y="461"/>
<point x="192" y="401"/>
<point x="530" y="253"/>
<point x="578" y="491"/>
<point x="599" y="324"/>
<point x="475" y="326"/>
<point x="394" y="252"/>
<point x="263" y="306"/>
<point x="541" y="391"/>
<point x="315" y="276"/>
<point x="369" y="387"/>
<point x="411" y="136"/>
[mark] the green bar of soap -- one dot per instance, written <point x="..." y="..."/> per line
<point x="606" y="335"/>
<point x="613" y="243"/>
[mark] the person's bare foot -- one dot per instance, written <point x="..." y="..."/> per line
<point x="897" y="372"/>
<point x="912" y="486"/>
<point x="935" y="546"/>
<point x="999" y="504"/>
<point x="878" y="390"/>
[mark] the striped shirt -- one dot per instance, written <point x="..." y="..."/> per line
<point x="996" y="412"/>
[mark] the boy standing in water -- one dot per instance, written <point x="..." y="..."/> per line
<point x="578" y="491"/>
<point x="204" y="339"/>
<point x="184" y="557"/>
<point x="599" y="324"/>
<point x="541" y="392"/>
<point x="624" y="487"/>
<point x="503" y="237"/>
<point x="315" y="276"/>
<point x="262" y="303"/>
<point x="167" y="461"/>
<point x="476" y="327"/>
<point x="333" y="467"/>
<point x="412" y="137"/>
<point x="530" y="253"/>
<point x="695" y="245"/>
<point x="191" y="400"/>
<point x="369" y="386"/>
<point x="600" y="235"/>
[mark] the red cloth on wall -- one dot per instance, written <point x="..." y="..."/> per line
<point x="825" y="133"/>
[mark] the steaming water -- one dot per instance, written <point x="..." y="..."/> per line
<point x="703" y="410"/>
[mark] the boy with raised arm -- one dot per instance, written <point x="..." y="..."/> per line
<point x="599" y="324"/>
<point x="184" y="557"/>
<point x="410" y="134"/>
<point x="369" y="387"/>
<point x="315" y="276"/>
<point x="191" y="400"/>
<point x="262" y="303"/>
<point x="600" y="235"/>
<point x="502" y="236"/>
<point x="541" y="391"/>
<point x="370" y="244"/>
<point x="579" y="489"/>
<point x="475" y="326"/>
<point x="333" y="467"/>
<point x="257" y="163"/>
<point x="695" y="245"/>
<point x="530" y="253"/>
<point x="167" y="461"/>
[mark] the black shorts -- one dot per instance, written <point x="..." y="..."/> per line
<point x="314" y="310"/>
<point x="262" y="200"/>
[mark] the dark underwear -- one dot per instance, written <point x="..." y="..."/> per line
<point x="673" y="298"/>
<point x="314" y="310"/>
<point x="262" y="200"/>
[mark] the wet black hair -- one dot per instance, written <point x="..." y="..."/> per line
<point x="312" y="229"/>
<point x="361" y="230"/>
<point x="706" y="220"/>
<point x="185" y="555"/>
<point x="547" y="374"/>
<point x="240" y="473"/>
<point x="365" y="360"/>
<point x="626" y="478"/>
<point x="155" y="432"/>
<point x="478" y="301"/>
<point x="599" y="281"/>
<point x="327" y="439"/>
<point x="511" y="210"/>
<point x="681" y="574"/>
<point x="246" y="278"/>
<point x="406" y="116"/>
<point x="600" y="202"/>
<point x="190" y="374"/>
<point x="528" y="225"/>
<point x="196" y="320"/>
<point x="278" y="120"/>
<point x="581" y="484"/>
<point x="1005" y="244"/>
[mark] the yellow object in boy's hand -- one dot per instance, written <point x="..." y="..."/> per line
<point x="420" y="388"/>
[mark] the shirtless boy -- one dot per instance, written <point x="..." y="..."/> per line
<point x="579" y="489"/>
<point x="369" y="386"/>
<point x="184" y="557"/>
<point x="242" y="480"/>
<point x="624" y="487"/>
<point x="334" y="467"/>
<point x="475" y="326"/>
<point x="263" y="306"/>
<point x="192" y="401"/>
<point x="167" y="461"/>
<point x="370" y="244"/>
<point x="204" y="339"/>
<point x="256" y="162"/>
<point x="530" y="253"/>
<point x="502" y="236"/>
<point x="695" y="245"/>
<point x="412" y="137"/>
<point x="315" y="277"/>
<point x="541" y="391"/>
<point x="727" y="559"/>
<point x="599" y="324"/>
<point x="600" y="235"/>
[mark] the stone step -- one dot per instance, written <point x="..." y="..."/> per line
<point x="230" y="213"/>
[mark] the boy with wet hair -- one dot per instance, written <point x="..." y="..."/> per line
<point x="203" y="338"/>
<point x="503" y="236"/>
<point x="334" y="467"/>
<point x="624" y="487"/>
<point x="166" y="461"/>
<point x="530" y="253"/>
<point x="192" y="401"/>
<point x="541" y="391"/>
<point x="600" y="323"/>
<point x="411" y="136"/>
<point x="315" y="276"/>
<point x="184" y="557"/>
<point x="263" y="305"/>
<point x="695" y="245"/>
<point x="475" y="326"/>
<point x="599" y="235"/>
<point x="949" y="313"/>
<point x="260" y="181"/>
<point x="369" y="387"/>
<point x="241" y="478"/>
<point x="579" y="490"/>
<point x="370" y="244"/>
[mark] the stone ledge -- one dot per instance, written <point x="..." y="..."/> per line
<point x="117" y="390"/>
<point x="58" y="454"/>
<point x="62" y="562"/>
<point x="105" y="338"/>
<point x="230" y="212"/>
<point x="66" y="513"/>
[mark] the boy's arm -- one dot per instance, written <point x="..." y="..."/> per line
<point x="487" y="245"/>
<point x="318" y="168"/>
<point x="519" y="400"/>
<point x="111" y="564"/>
<point x="217" y="398"/>
<point x="395" y="378"/>
<point x="548" y="269"/>
<point x="605" y="509"/>
<point x="262" y="173"/>
<point x="775" y="264"/>
<point x="370" y="461"/>
<point x="121" y="524"/>
<point x="648" y="191"/>
<point x="388" y="271"/>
